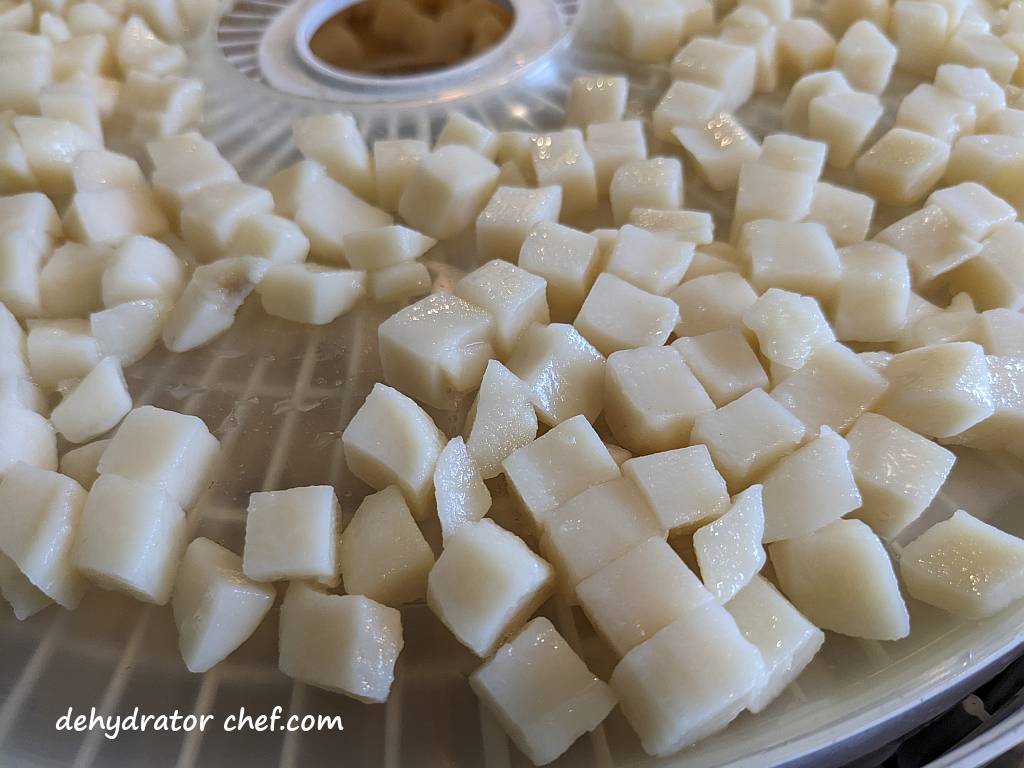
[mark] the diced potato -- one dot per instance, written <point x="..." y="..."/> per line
<point x="142" y="268"/>
<point x="70" y="280"/>
<point x="844" y="121"/>
<point x="215" y="606"/>
<point x="399" y="282"/>
<point x="156" y="107"/>
<point x="685" y="103"/>
<point x="793" y="153"/>
<point x="1009" y="121"/>
<point x="25" y="599"/>
<point x="873" y="294"/>
<point x="561" y="159"/>
<point x="460" y="129"/>
<point x="15" y="172"/>
<point x="112" y="215"/>
<point x="80" y="464"/>
<point x="537" y="672"/>
<point x="328" y="212"/>
<point x="76" y="107"/>
<point x="563" y="462"/>
<point x="794" y="257"/>
<point x="765" y="192"/>
<point x="932" y="242"/>
<point x="612" y="145"/>
<point x="600" y="99"/>
<point x="992" y="278"/>
<point x="695" y="227"/>
<point x="729" y="550"/>
<point x="994" y="161"/>
<point x="567" y="259"/>
<point x="310" y="293"/>
<point x="984" y="50"/>
<point x="139" y="48"/>
<point x="752" y="28"/>
<point x="292" y="534"/>
<point x="647" y="30"/>
<point x="510" y="215"/>
<point x="845" y="214"/>
<point x="334" y="141"/>
<point x="98" y="169"/>
<point x="729" y="68"/>
<point x="485" y="584"/>
<point x="841" y="578"/>
<point x="61" y="350"/>
<point x="392" y="441"/>
<point x="841" y="14"/>
<point x="902" y="166"/>
<point x="515" y="298"/>
<point x="865" y="56"/>
<point x="720" y="147"/>
<point x="459" y="489"/>
<point x="183" y="165"/>
<point x="212" y="215"/>
<point x="935" y="112"/>
<point x="648" y="260"/>
<point x="974" y="209"/>
<point x="95" y="405"/>
<point x="972" y="84"/>
<point x="501" y="420"/>
<point x="654" y="183"/>
<point x="394" y="164"/>
<point x="617" y="315"/>
<point x="50" y="147"/>
<point x="682" y="487"/>
<point x="723" y="362"/>
<point x="804" y="46"/>
<point x="919" y="29"/>
<point x="270" y="237"/>
<point x="712" y="303"/>
<point x="22" y="393"/>
<point x="441" y="204"/>
<point x="806" y="89"/>
<point x="789" y="327"/>
<point x="385" y="246"/>
<point x="1005" y="427"/>
<point x="343" y="643"/>
<point x="25" y="437"/>
<point x="290" y="185"/>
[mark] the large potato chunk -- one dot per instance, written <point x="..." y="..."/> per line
<point x="292" y="534"/>
<point x="729" y="550"/>
<point x="343" y="643"/>
<point x="965" y="566"/>
<point x="458" y="487"/>
<point x="542" y="693"/>
<point x="682" y="487"/>
<point x="501" y="419"/>
<point x="215" y="606"/>
<point x="485" y="584"/>
<point x="392" y="441"/>
<point x="841" y="578"/>
<point x="442" y="204"/>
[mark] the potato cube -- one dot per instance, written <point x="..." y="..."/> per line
<point x="865" y="56"/>
<point x="343" y="643"/>
<point x="902" y="166"/>
<point x="138" y="48"/>
<point x="501" y="420"/>
<point x="976" y="211"/>
<point x="789" y="327"/>
<point x="612" y="145"/>
<point x="652" y="570"/>
<point x="651" y="318"/>
<point x="215" y="606"/>
<point x="25" y="436"/>
<point x="932" y="242"/>
<point x="1002" y="332"/>
<point x="685" y="103"/>
<point x="873" y="294"/>
<point x="112" y="215"/>
<point x="649" y="261"/>
<point x="994" y="161"/>
<point x="61" y="350"/>
<point x="502" y="227"/>
<point x="844" y="121"/>
<point x="328" y="213"/>
<point x="795" y="257"/>
<point x="992" y="278"/>
<point x="436" y="349"/>
<point x="80" y="464"/>
<point x="711" y="303"/>
<point x="384" y="246"/>
<point x="723" y="362"/>
<point x="1009" y="121"/>
<point x="392" y="441"/>
<point x="562" y="370"/>
<point x="804" y="46"/>
<point x="651" y="399"/>
<point x="729" y="68"/>
<point x="729" y="550"/>
<point x="840" y="14"/>
<point x="719" y="147"/>
<point x="687" y="681"/>
<point x="13" y="346"/>
<point x="485" y="584"/>
<point x="50" y="147"/>
<point x="460" y="129"/>
<point x="561" y="159"/>
<point x="32" y="215"/>
<point x="399" y="282"/>
<point x="919" y="29"/>
<point x="793" y="153"/>
<point x="806" y="89"/>
<point x="441" y="205"/>
<point x="69" y="283"/>
<point x="647" y="30"/>
<point x="22" y="393"/>
<point x="787" y="641"/>
<point x="541" y="692"/>
<point x="292" y="534"/>
<point x="182" y="165"/>
<point x="95" y="405"/>
<point x="310" y="293"/>
<point x="654" y="183"/>
<point x="600" y="99"/>
<point x="270" y="237"/>
<point x="765" y="192"/>
<point x="845" y="214"/>
<point x="984" y="50"/>
<point x="567" y="259"/>
<point x="563" y="462"/>
<point x="682" y="487"/>
<point x="128" y="331"/>
<point x="291" y="184"/>
<point x="25" y="599"/>
<point x="394" y="164"/>
<point x="972" y="84"/>
<point x="1003" y="429"/>
<point x="695" y="227"/>
<point x="749" y="27"/>
<point x="98" y="169"/>
<point x="930" y="110"/>
<point x="334" y="141"/>
<point x="514" y="297"/>
<point x="747" y="436"/>
<point x="841" y="578"/>
<point x="212" y="215"/>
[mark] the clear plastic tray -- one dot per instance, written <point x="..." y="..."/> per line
<point x="278" y="396"/>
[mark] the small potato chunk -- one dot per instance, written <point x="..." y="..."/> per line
<point x="1005" y="427"/>
<point x="747" y="436"/>
<point x="787" y="641"/>
<point x="793" y="153"/>
<point x="636" y="595"/>
<point x="510" y="215"/>
<point x="865" y="56"/>
<point x="841" y="14"/>
<point x="965" y="566"/>
<point x="612" y="145"/>
<point x="993" y="278"/>
<point x="343" y="643"/>
<point x="806" y="89"/>
<point x="109" y="216"/>
<point x="270" y="237"/>
<point x="617" y="315"/>
<point x="729" y="550"/>
<point x="50" y="147"/>
<point x="459" y="489"/>
<point x="647" y="31"/>
<point x="752" y="28"/>
<point x="682" y="487"/>
<point x="804" y="46"/>
<point x="647" y="260"/>
<point x="292" y="534"/>
<point x="651" y="399"/>
<point x="334" y="141"/>
<point x="170" y="451"/>
<point x="501" y="420"/>
<point x="723" y="362"/>
<point x="845" y="214"/>
<point x="789" y="327"/>
<point x="600" y="99"/>
<point x="398" y="283"/>
<point x="385" y="246"/>
<point x="688" y="681"/>
<point x="794" y="257"/>
<point x="128" y="331"/>
<point x="844" y="121"/>
<point x="932" y="111"/>
<point x="469" y="133"/>
<point x="310" y="293"/>
<point x="383" y="555"/>
<point x="328" y="212"/>
<point x="24" y="598"/>
<point x="26" y="437"/>
<point x="994" y="161"/>
<point x="541" y="692"/>
<point x="561" y="159"/>
<point x="712" y="303"/>
<point x="567" y="259"/>
<point x="841" y="578"/>
<point x="95" y="405"/>
<point x="984" y="50"/>
<point x="42" y="511"/>
<point x="592" y="529"/>
<point x="975" y="211"/>
<point x="1002" y="332"/>
<point x="80" y="464"/>
<point x="563" y="462"/>
<point x="394" y="164"/>
<point x="290" y="185"/>
<point x="212" y="215"/>
<point x="142" y="559"/>
<point x="695" y="227"/>
<point x="70" y="280"/>
<point x="766" y="192"/>
<point x="719" y="146"/>
<point x="485" y="584"/>
<point x="939" y="390"/>
<point x="392" y="441"/>
<point x="61" y="350"/>
<point x="685" y="103"/>
<point x="728" y="68"/>
<point x="562" y="370"/>
<point x="654" y="183"/>
<point x="809" y="488"/>
<point x="902" y="166"/>
<point x="873" y="294"/>
<point x="142" y="268"/>
<point x="919" y="29"/>
<point x="972" y="84"/>
<point x="436" y="349"/>
<point x="932" y="242"/>
<point x="515" y="298"/>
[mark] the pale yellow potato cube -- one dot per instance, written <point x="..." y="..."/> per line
<point x="290" y="185"/>
<point x="795" y="257"/>
<point x="617" y="315"/>
<point x="111" y="215"/>
<point x="24" y="598"/>
<point x="873" y="294"/>
<point x="993" y="278"/>
<point x="399" y="282"/>
<point x="75" y="107"/>
<point x="804" y="46"/>
<point x="310" y="293"/>
<point x="441" y="204"/>
<point x="70" y="280"/>
<point x="485" y="584"/>
<point x="270" y="237"/>
<point x="334" y="141"/>
<point x="647" y="260"/>
<point x="612" y="145"/>
<point x="462" y="130"/>
<point x="935" y="112"/>
<point x="654" y="183"/>
<point x="392" y="441"/>
<point x="712" y="303"/>
<point x="343" y="643"/>
<point x="931" y="240"/>
<point x="793" y="153"/>
<point x="728" y="68"/>
<point x="142" y="268"/>
<point x="138" y="47"/>
<point x="557" y="466"/>
<point x="839" y="15"/>
<point x="516" y="147"/>
<point x="50" y="147"/>
<point x="292" y="534"/>
<point x="995" y="161"/>
<point x="97" y="169"/>
<point x="216" y="608"/>
<point x="688" y="681"/>
<point x="385" y="246"/>
<point x="61" y="350"/>
<point x="841" y="578"/>
<point x="561" y="159"/>
<point x="436" y="349"/>
<point x="798" y="100"/>
<point x="567" y="259"/>
<point x="1003" y="429"/>
<point x="865" y="56"/>
<point x="940" y="390"/>
<point x="459" y="489"/>
<point x="213" y="214"/>
<point x="919" y="28"/>
<point x="1009" y="121"/>
<point x="596" y="99"/>
<point x="501" y="419"/>
<point x="695" y="227"/>
<point x="766" y="192"/>
<point x="541" y="692"/>
<point x="902" y="166"/>
<point x="719" y="147"/>
<point x="394" y="163"/>
<point x="510" y="215"/>
<point x="844" y="121"/>
<point x="514" y="297"/>
<point x="985" y="50"/>
<point x="750" y="27"/>
<point x="972" y="84"/>
<point x="80" y="464"/>
<point x="647" y="30"/>
<point x="639" y="593"/>
<point x="25" y="436"/>
<point x="974" y="209"/>
<point x="729" y="550"/>
<point x="20" y="265"/>
<point x="95" y="405"/>
<point x="685" y="103"/>
<point x="651" y="399"/>
<point x="1002" y="332"/>
<point x="15" y="173"/>
<point x="563" y="372"/>
<point x="27" y="66"/>
<point x="682" y="487"/>
<point x="957" y="322"/>
<point x="723" y="362"/>
<point x="182" y="165"/>
<point x="788" y="326"/>
<point x="845" y="214"/>
<point x="13" y="350"/>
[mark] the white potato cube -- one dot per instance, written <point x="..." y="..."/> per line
<point x="974" y="209"/>
<point x="50" y="147"/>
<point x="501" y="420"/>
<point x="562" y="370"/>
<point x="685" y="103"/>
<point x="806" y="89"/>
<point x="212" y="215"/>
<point x="1004" y="427"/>
<point x="937" y="113"/>
<point x="865" y="56"/>
<point x="70" y="280"/>
<point x="13" y="346"/>
<point x="647" y="30"/>
<point x="334" y="141"/>
<point x="873" y="294"/>
<point x="95" y="405"/>
<point x="157" y="107"/>
<point x="442" y="205"/>
<point x="992" y="278"/>
<point x="42" y="512"/>
<point x="541" y="692"/>
<point x="695" y="227"/>
<point x="310" y="293"/>
<point x="139" y="48"/>
<point x="383" y="555"/>
<point x="765" y="192"/>
<point x="711" y="303"/>
<point x="292" y="534"/>
<point x="215" y="606"/>
<point x="61" y="350"/>
<point x="932" y="242"/>
<point x="654" y="183"/>
<point x="80" y="464"/>
<point x="394" y="164"/>
<point x="561" y="159"/>
<point x="787" y="641"/>
<point x="290" y="185"/>
<point x="794" y="257"/>
<point x="399" y="282"/>
<point x="25" y="436"/>
<point x="647" y="260"/>
<point x="845" y="214"/>
<point x="172" y="452"/>
<point x="384" y="246"/>
<point x="749" y="27"/>
<point x="600" y="99"/>
<point x="789" y="327"/>
<point x="723" y="362"/>
<point x="839" y="15"/>
<point x="485" y="584"/>
<point x="688" y="681"/>
<point x="972" y="84"/>
<point x="651" y="399"/>
<point x="22" y="393"/>
<point x="919" y="28"/>
<point x="1000" y="330"/>
<point x="994" y="161"/>
<point x="844" y="121"/>
<point x="182" y="165"/>
<point x="460" y="129"/>
<point x="793" y="153"/>
<point x="804" y="46"/>
<point x="97" y="169"/>
<point x="514" y="297"/>
<point x="719" y="146"/>
<point x="563" y="462"/>
<point x="510" y="215"/>
<point x="567" y="259"/>
<point x="841" y="578"/>
<point x="984" y="50"/>
<point x="392" y="441"/>
<point x="128" y="331"/>
<point x="24" y="598"/>
<point x="682" y="487"/>
<point x="612" y="145"/>
<point x="729" y="550"/>
<point x="617" y="315"/>
<point x="75" y="107"/>
<point x="1009" y="121"/>
<point x="143" y="558"/>
<point x="328" y="212"/>
<point x="112" y="215"/>
<point x="343" y="643"/>
<point x="729" y="68"/>
<point x="15" y="173"/>
<point x="270" y="237"/>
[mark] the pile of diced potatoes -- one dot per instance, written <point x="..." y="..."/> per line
<point x="715" y="439"/>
